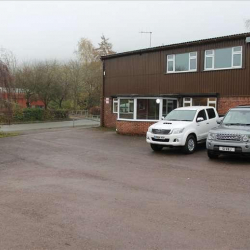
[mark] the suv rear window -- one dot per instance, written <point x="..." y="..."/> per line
<point x="211" y="113"/>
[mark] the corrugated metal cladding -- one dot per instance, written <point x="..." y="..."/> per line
<point x="145" y="74"/>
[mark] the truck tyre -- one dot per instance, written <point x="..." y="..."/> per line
<point x="212" y="155"/>
<point x="156" y="147"/>
<point x="190" y="145"/>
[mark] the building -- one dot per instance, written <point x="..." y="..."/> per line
<point x="17" y="97"/>
<point x="139" y="87"/>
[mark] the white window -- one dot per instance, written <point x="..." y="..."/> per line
<point x="182" y="62"/>
<point x="115" y="105"/>
<point x="126" y="109"/>
<point x="145" y="108"/>
<point x="211" y="102"/>
<point x="226" y="58"/>
<point x="187" y="101"/>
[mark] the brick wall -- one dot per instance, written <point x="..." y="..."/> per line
<point x="140" y="128"/>
<point x="225" y="103"/>
<point x="132" y="127"/>
<point x="109" y="117"/>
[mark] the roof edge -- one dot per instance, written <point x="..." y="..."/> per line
<point x="177" y="45"/>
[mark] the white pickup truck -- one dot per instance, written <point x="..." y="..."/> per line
<point x="183" y="127"/>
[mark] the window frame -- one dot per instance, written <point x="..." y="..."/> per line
<point x="187" y="102"/>
<point x="207" y="109"/>
<point x="189" y="59"/>
<point x="135" y="108"/>
<point x="212" y="55"/>
<point x="115" y="101"/>
<point x="212" y="102"/>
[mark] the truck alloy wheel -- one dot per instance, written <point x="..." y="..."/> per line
<point x="190" y="145"/>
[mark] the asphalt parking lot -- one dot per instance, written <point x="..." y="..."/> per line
<point x="93" y="189"/>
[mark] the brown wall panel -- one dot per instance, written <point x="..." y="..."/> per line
<point x="146" y="73"/>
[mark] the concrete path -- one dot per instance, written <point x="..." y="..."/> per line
<point x="48" y="125"/>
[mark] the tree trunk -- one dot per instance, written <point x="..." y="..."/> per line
<point x="60" y="103"/>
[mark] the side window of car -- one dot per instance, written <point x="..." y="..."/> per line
<point x="202" y="114"/>
<point x="211" y="113"/>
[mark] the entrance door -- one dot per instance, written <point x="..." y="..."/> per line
<point x="168" y="105"/>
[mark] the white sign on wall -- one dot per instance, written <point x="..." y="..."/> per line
<point x="107" y="100"/>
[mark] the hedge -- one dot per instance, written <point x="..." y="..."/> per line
<point x="37" y="114"/>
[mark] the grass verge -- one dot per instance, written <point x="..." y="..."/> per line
<point x="3" y="135"/>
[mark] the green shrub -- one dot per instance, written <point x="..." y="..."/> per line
<point x="18" y="114"/>
<point x="33" y="114"/>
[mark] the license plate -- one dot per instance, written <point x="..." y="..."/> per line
<point x="227" y="149"/>
<point x="159" y="137"/>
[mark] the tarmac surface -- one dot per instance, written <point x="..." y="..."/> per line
<point x="93" y="189"/>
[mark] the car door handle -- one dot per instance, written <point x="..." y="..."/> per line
<point x="207" y="122"/>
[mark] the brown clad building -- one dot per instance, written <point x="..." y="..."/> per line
<point x="140" y="87"/>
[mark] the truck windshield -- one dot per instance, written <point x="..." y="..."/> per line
<point x="181" y="115"/>
<point x="237" y="118"/>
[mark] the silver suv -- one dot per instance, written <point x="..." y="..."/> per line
<point x="232" y="135"/>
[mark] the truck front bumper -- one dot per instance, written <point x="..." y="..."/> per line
<point x="173" y="140"/>
<point x="240" y="147"/>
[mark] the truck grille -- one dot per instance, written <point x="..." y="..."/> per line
<point x="228" y="137"/>
<point x="160" y="140"/>
<point x="161" y="131"/>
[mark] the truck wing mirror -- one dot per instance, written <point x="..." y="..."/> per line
<point x="219" y="120"/>
<point x="200" y="119"/>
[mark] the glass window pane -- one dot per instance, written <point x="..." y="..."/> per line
<point x="168" y="106"/>
<point x="237" y="60"/>
<point x="115" y="110"/>
<point x="192" y="64"/>
<point x="202" y="114"/>
<point x="126" y="108"/>
<point x="170" y="66"/>
<point x="212" y="105"/>
<point x="147" y="109"/>
<point x="193" y="54"/>
<point x="209" y="52"/>
<point x="211" y="99"/>
<point x="211" y="113"/>
<point x="237" y="49"/>
<point x="209" y="62"/>
<point x="199" y="101"/>
<point x="115" y="105"/>
<point x="182" y="62"/>
<point x="223" y="58"/>
<point x="170" y="57"/>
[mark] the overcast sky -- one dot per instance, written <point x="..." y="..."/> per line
<point x="46" y="30"/>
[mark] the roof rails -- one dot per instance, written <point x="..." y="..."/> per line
<point x="243" y="106"/>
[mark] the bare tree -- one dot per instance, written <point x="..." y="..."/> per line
<point x="6" y="90"/>
<point x="86" y="51"/>
<point x="45" y="78"/>
<point x="26" y="82"/>
<point x="62" y="85"/>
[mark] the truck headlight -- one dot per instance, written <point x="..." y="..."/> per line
<point x="177" y="130"/>
<point x="211" y="136"/>
<point x="150" y="129"/>
<point x="245" y="138"/>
